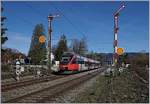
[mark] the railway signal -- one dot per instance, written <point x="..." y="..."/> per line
<point x="42" y="39"/>
<point x="116" y="15"/>
<point x="120" y="51"/>
<point x="50" y="18"/>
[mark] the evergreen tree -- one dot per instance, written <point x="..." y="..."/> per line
<point x="61" y="47"/>
<point x="37" y="50"/>
<point x="3" y="38"/>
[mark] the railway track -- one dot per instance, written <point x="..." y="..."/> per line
<point x="11" y="86"/>
<point x="141" y="78"/>
<point x="145" y="82"/>
<point x="46" y="94"/>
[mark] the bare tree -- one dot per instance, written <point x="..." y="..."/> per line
<point x="79" y="46"/>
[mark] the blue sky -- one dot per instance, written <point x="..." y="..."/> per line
<point x="94" y="20"/>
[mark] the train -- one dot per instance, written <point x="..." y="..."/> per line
<point x="72" y="62"/>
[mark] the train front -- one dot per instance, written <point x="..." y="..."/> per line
<point x="68" y="63"/>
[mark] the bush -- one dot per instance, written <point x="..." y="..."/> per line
<point x="138" y="64"/>
<point x="6" y="68"/>
<point x="140" y="60"/>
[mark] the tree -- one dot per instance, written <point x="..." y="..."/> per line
<point x="75" y="46"/>
<point x="3" y="38"/>
<point x="10" y="55"/>
<point x="61" y="47"/>
<point x="140" y="60"/>
<point x="79" y="46"/>
<point x="37" y="51"/>
<point x="94" y="55"/>
<point x="123" y="58"/>
<point x="82" y="46"/>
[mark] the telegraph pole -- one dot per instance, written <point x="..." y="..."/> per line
<point x="50" y="18"/>
<point x="116" y="15"/>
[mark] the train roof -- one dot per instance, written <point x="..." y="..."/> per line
<point x="87" y="59"/>
<point x="82" y="58"/>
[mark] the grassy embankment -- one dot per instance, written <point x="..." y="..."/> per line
<point x="123" y="88"/>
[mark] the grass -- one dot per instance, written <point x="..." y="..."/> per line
<point x="123" y="88"/>
<point x="9" y="72"/>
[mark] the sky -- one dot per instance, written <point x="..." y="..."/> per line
<point x="92" y="20"/>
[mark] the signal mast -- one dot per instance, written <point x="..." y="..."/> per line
<point x="50" y="18"/>
<point x="116" y="15"/>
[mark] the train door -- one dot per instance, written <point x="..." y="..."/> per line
<point x="78" y="61"/>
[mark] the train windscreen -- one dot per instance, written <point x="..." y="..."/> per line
<point x="66" y="59"/>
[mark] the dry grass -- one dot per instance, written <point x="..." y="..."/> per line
<point x="123" y="88"/>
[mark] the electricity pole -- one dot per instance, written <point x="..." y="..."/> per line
<point x="50" y="18"/>
<point x="116" y="15"/>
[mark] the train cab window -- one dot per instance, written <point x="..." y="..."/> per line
<point x="74" y="61"/>
<point x="66" y="59"/>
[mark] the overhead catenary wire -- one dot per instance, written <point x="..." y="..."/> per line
<point x="22" y="19"/>
<point x="40" y="13"/>
<point x="36" y="11"/>
<point x="68" y="20"/>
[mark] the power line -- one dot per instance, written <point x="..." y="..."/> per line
<point x="22" y="19"/>
<point x="69" y="21"/>
<point x="36" y="11"/>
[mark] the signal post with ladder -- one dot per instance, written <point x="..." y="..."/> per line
<point x="50" y="18"/>
<point x="116" y="15"/>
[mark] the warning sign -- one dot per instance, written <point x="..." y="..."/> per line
<point x="119" y="51"/>
<point x="42" y="39"/>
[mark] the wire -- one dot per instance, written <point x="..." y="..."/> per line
<point x="36" y="11"/>
<point x="22" y="19"/>
<point x="67" y="19"/>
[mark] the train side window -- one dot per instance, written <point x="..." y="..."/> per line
<point x="80" y="61"/>
<point x="86" y="64"/>
<point x="77" y="61"/>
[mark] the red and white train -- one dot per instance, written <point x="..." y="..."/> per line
<point x="73" y="62"/>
